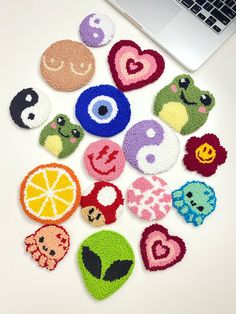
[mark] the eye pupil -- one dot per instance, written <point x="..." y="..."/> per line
<point x="61" y="121"/>
<point x="184" y="83"/>
<point x="102" y="110"/>
<point x="75" y="133"/>
<point x="189" y="194"/>
<point x="52" y="253"/>
<point x="205" y="100"/>
<point x="91" y="211"/>
<point x="200" y="208"/>
<point x="41" y="239"/>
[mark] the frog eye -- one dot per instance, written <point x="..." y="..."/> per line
<point x="61" y="121"/>
<point x="205" y="100"/>
<point x="75" y="133"/>
<point x="184" y="83"/>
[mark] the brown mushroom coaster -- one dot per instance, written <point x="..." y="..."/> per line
<point x="101" y="204"/>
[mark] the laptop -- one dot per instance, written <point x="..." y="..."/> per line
<point x="189" y="30"/>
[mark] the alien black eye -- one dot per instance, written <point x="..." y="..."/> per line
<point x="75" y="133"/>
<point x="189" y="194"/>
<point x="184" y="83"/>
<point x="41" y="239"/>
<point x="91" y="211"/>
<point x="61" y="121"/>
<point x="200" y="208"/>
<point x="52" y="252"/>
<point x="205" y="100"/>
<point x="98" y="216"/>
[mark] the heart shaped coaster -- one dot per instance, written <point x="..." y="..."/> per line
<point x="132" y="68"/>
<point x="106" y="260"/>
<point x="160" y="250"/>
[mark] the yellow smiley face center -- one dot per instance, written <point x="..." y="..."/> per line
<point x="205" y="153"/>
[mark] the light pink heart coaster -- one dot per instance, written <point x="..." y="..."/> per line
<point x="160" y="250"/>
<point x="132" y="68"/>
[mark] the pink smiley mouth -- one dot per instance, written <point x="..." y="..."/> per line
<point x="91" y="157"/>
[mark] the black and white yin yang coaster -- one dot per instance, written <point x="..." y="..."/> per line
<point x="30" y="108"/>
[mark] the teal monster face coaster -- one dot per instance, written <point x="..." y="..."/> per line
<point x="194" y="201"/>
<point x="61" y="137"/>
<point x="183" y="106"/>
<point x="106" y="260"/>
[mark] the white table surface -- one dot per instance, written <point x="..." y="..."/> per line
<point x="204" y="282"/>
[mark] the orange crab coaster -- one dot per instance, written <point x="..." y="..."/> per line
<point x="50" y="193"/>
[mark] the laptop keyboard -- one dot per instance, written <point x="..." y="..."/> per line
<point x="216" y="14"/>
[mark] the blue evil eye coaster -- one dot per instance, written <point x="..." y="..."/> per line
<point x="194" y="200"/>
<point x="103" y="110"/>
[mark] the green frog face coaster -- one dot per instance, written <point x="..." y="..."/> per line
<point x="183" y="106"/>
<point x="61" y="137"/>
<point x="106" y="260"/>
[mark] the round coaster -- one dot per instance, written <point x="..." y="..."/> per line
<point x="61" y="137"/>
<point x="106" y="260"/>
<point x="102" y="204"/>
<point x="149" y="198"/>
<point x="67" y="65"/>
<point x="194" y="201"/>
<point x="151" y="146"/>
<point x="96" y="30"/>
<point x="50" y="193"/>
<point x="48" y="245"/>
<point x="30" y="108"/>
<point x="104" y="160"/>
<point x="103" y="110"/>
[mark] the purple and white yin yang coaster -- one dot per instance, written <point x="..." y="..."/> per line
<point x="151" y="146"/>
<point x="96" y="30"/>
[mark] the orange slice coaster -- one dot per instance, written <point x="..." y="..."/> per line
<point x="50" y="193"/>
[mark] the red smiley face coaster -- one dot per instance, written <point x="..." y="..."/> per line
<point x="160" y="250"/>
<point x="104" y="160"/>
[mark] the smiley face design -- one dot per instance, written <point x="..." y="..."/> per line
<point x="30" y="108"/>
<point x="104" y="160"/>
<point x="67" y="65"/>
<point x="151" y="147"/>
<point x="61" y="137"/>
<point x="103" y="110"/>
<point x="101" y="204"/>
<point x="205" y="153"/>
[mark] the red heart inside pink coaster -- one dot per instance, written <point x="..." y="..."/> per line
<point x="132" y="68"/>
<point x="160" y="250"/>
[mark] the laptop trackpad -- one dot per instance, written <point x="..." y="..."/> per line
<point x="153" y="15"/>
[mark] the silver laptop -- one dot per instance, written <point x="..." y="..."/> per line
<point x="189" y="30"/>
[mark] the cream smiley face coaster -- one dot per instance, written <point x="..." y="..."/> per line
<point x="133" y="68"/>
<point x="104" y="160"/>
<point x="30" y="108"/>
<point x="106" y="261"/>
<point x="48" y="245"/>
<point x="149" y="198"/>
<point x="61" y="137"/>
<point x="67" y="65"/>
<point x="159" y="249"/>
<point x="101" y="204"/>
<point x="151" y="146"/>
<point x="183" y="106"/>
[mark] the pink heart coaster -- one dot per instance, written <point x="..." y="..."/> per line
<point x="132" y="68"/>
<point x="160" y="250"/>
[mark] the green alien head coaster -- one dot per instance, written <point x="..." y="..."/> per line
<point x="106" y="261"/>
<point x="60" y="136"/>
<point x="182" y="105"/>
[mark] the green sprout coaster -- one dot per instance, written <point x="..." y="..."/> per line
<point x="182" y="105"/>
<point x="106" y="260"/>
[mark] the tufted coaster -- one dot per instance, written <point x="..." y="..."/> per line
<point x="182" y="105"/>
<point x="106" y="260"/>
<point x="160" y="250"/>
<point x="149" y="198"/>
<point x="194" y="201"/>
<point x="103" y="110"/>
<point x="67" y="65"/>
<point x="151" y="146"/>
<point x="102" y="204"/>
<point x="204" y="154"/>
<point x="50" y="193"/>
<point x="96" y="30"/>
<point x="61" y="137"/>
<point x="30" y="108"/>
<point x="48" y="245"/>
<point x="132" y="68"/>
<point x="104" y="160"/>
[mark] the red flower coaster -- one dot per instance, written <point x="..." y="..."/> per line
<point x="204" y="154"/>
<point x="160" y="250"/>
<point x="132" y="68"/>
